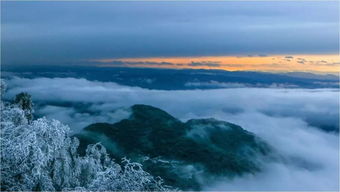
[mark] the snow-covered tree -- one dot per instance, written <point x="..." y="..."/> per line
<point x="3" y="86"/>
<point x="41" y="156"/>
<point x="24" y="102"/>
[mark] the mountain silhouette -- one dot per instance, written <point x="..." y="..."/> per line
<point x="180" y="153"/>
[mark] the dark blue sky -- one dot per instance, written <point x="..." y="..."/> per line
<point x="71" y="32"/>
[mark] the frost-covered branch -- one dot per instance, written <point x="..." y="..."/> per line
<point x="40" y="155"/>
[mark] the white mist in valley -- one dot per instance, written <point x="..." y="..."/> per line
<point x="290" y="120"/>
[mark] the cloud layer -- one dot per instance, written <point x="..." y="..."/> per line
<point x="288" y="119"/>
<point x="48" y="32"/>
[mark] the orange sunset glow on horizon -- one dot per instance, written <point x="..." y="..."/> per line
<point x="269" y="63"/>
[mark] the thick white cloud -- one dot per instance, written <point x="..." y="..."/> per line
<point x="285" y="118"/>
<point x="78" y="120"/>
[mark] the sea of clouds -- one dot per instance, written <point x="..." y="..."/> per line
<point x="288" y="119"/>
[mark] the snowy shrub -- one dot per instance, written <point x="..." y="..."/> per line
<point x="3" y="86"/>
<point x="40" y="155"/>
<point x="24" y="102"/>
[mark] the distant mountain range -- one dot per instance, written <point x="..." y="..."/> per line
<point x="305" y="75"/>
<point x="179" y="79"/>
<point x="181" y="153"/>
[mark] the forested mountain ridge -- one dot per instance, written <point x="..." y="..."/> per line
<point x="179" y="79"/>
<point x="167" y="146"/>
